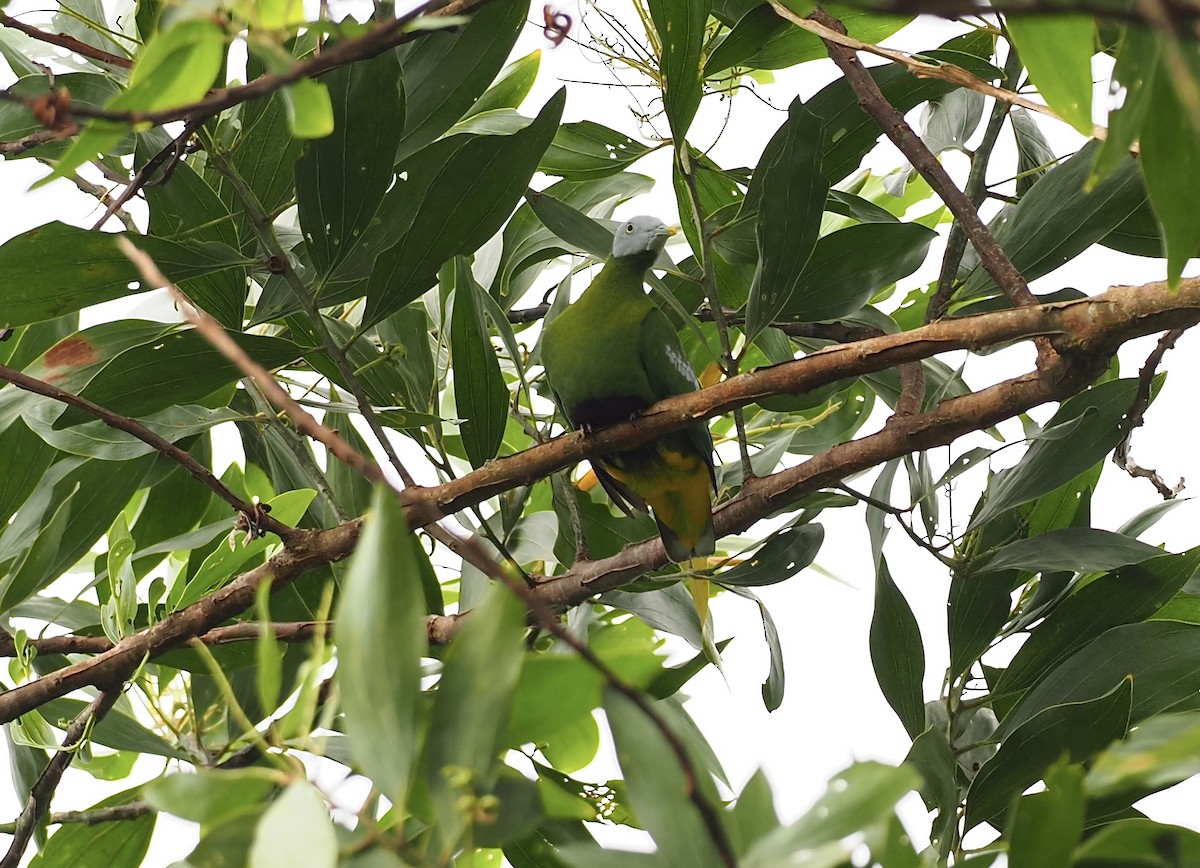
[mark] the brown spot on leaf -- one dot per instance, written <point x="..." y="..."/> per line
<point x="71" y="353"/>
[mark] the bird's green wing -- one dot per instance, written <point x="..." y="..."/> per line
<point x="670" y="372"/>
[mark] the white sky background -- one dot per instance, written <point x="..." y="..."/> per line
<point x="833" y="712"/>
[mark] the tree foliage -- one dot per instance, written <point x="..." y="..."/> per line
<point x="368" y="219"/>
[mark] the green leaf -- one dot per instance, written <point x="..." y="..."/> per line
<point x="784" y="554"/>
<point x="680" y="27"/>
<point x="458" y="193"/>
<point x="1056" y="220"/>
<point x="381" y="638"/>
<point x="176" y="67"/>
<point x="1158" y="655"/>
<point x="1138" y="841"/>
<point x="1077" y="729"/>
<point x="658" y="786"/>
<point x="931" y="755"/>
<point x="587" y="150"/>
<point x="208" y="796"/>
<point x="179" y="367"/>
<point x="341" y="178"/>
<point x="1169" y="162"/>
<point x="295" y="830"/>
<point x="1128" y="594"/>
<point x="669" y="609"/>
<point x="1132" y="80"/>
<point x="849" y="266"/>
<point x="471" y="712"/>
<point x="226" y="844"/>
<point x="1057" y="50"/>
<point x="28" y="456"/>
<point x="792" y="45"/>
<point x="1158" y="753"/>
<point x="1077" y="549"/>
<point x="446" y="72"/>
<point x="57" y="269"/>
<point x="897" y="653"/>
<point x="480" y="395"/>
<point x="105" y="845"/>
<point x="791" y="193"/>
<point x="40" y="564"/>
<point x="511" y="86"/>
<point x="1096" y="416"/>
<point x="571" y="225"/>
<point x="1045" y="827"/>
<point x="309" y="109"/>
<point x="856" y="800"/>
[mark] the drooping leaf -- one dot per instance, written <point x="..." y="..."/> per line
<point x="897" y="653"/>
<point x="785" y="553"/>
<point x="1133" y="80"/>
<point x="295" y="830"/>
<point x="209" y="796"/>
<point x="480" y="395"/>
<point x="1034" y="154"/>
<point x="680" y="27"/>
<point x="791" y="198"/>
<point x="1046" y="826"/>
<point x="1057" y="50"/>
<point x="1079" y="549"/>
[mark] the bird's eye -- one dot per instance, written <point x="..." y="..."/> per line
<point x="628" y="227"/>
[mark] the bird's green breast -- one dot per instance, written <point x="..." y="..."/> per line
<point x="592" y="351"/>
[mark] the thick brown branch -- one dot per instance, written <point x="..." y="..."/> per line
<point x="68" y="42"/>
<point x="94" y="817"/>
<point x="1092" y="329"/>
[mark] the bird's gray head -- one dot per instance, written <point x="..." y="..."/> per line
<point x="640" y="235"/>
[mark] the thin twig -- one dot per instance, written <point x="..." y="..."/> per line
<point x="43" y="788"/>
<point x="1137" y="414"/>
<point x="141" y="432"/>
<point x="93" y="817"/>
<point x="284" y="631"/>
<point x="898" y="513"/>
<point x="104" y="196"/>
<point x="34" y="139"/>
<point x="173" y="150"/>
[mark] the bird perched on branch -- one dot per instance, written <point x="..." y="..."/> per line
<point x="608" y="357"/>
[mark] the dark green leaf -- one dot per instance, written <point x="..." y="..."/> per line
<point x="480" y="395"/>
<point x="1045" y="827"/>
<point x="511" y="86"/>
<point x="753" y="816"/>
<point x="1159" y="656"/>
<point x="1056" y="220"/>
<point x="586" y="150"/>
<point x="1169" y="147"/>
<point x="669" y="609"/>
<point x="657" y="784"/>
<point x="793" y="45"/>
<point x="1077" y="729"/>
<point x="1123" y="596"/>
<point x="785" y="553"/>
<point x="849" y="266"/>
<point x="1057" y="50"/>
<point x="931" y="755"/>
<point x="446" y="72"/>
<point x="341" y="178"/>
<point x="791" y="193"/>
<point x="1096" y="416"/>
<point x="56" y="269"/>
<point x="897" y="653"/>
<point x="680" y="27"/>
<point x="457" y="194"/>
<point x="1078" y="549"/>
<point x="581" y="232"/>
<point x="381" y="638"/>
<point x="117" y="730"/>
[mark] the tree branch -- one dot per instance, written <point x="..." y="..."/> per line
<point x="43" y="788"/>
<point x="64" y="41"/>
<point x="1137" y="414"/>
<point x="284" y="631"/>
<point x="94" y="817"/>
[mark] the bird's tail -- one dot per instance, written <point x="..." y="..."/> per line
<point x="684" y="515"/>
